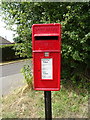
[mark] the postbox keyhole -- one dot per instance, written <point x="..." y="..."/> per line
<point x="46" y="54"/>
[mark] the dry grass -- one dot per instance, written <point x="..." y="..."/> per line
<point x="26" y="103"/>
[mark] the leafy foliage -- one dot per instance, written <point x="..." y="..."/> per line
<point x="26" y="71"/>
<point x="74" y="18"/>
<point x="8" y="45"/>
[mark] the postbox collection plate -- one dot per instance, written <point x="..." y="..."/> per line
<point x="46" y="68"/>
<point x="46" y="44"/>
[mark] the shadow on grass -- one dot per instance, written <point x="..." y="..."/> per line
<point x="80" y="87"/>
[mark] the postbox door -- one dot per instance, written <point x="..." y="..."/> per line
<point x="47" y="75"/>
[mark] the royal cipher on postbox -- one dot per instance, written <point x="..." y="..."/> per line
<point x="46" y="47"/>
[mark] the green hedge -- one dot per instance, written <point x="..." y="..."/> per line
<point x="7" y="53"/>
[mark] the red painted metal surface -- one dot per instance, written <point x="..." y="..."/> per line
<point x="46" y="45"/>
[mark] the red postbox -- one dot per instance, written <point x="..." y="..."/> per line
<point x="46" y="44"/>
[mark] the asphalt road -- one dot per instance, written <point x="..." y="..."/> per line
<point x="11" y="77"/>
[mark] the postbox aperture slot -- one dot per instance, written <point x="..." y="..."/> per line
<point x="46" y="37"/>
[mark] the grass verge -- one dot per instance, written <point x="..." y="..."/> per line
<point x="66" y="103"/>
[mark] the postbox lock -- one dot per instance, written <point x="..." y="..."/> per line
<point x="46" y="54"/>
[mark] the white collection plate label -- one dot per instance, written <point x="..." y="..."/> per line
<point x="46" y="68"/>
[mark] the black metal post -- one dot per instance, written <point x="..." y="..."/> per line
<point x="48" y="107"/>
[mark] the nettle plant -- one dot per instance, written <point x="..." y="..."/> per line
<point x="26" y="71"/>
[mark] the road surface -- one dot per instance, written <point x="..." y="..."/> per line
<point x="11" y="77"/>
